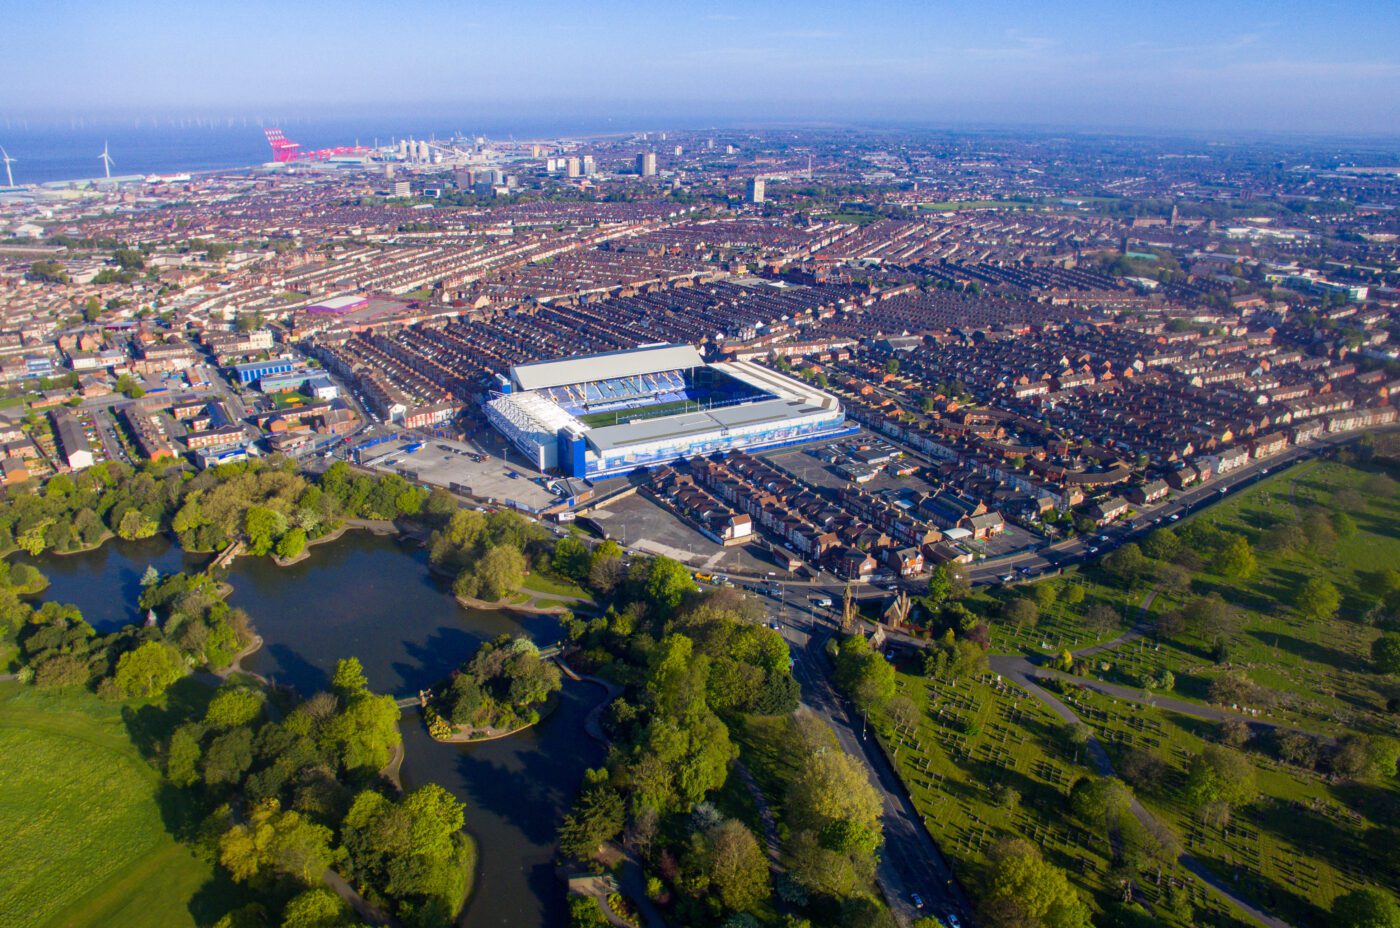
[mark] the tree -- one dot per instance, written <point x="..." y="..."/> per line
<point x="279" y="841"/>
<point x="1149" y="845"/>
<point x="1298" y="748"/>
<point x="1161" y="544"/>
<point x="597" y="817"/>
<point x="1021" y="612"/>
<point x="349" y="679"/>
<point x="1233" y="733"/>
<point x="316" y="908"/>
<point x="262" y="526"/>
<point x="182" y="756"/>
<point x="365" y="732"/>
<point x="135" y="524"/>
<point x="1209" y="617"/>
<point x="1284" y="537"/>
<point x="1127" y="563"/>
<point x="1144" y="770"/>
<point x="1023" y="889"/>
<point x="571" y="559"/>
<point x="1365" y="757"/>
<point x="130" y="387"/>
<point x="1173" y="579"/>
<point x="667" y="583"/>
<point x="291" y="544"/>
<point x="605" y="568"/>
<point x="1385" y="653"/>
<point x="1318" y="599"/>
<point x="1097" y="801"/>
<point x="148" y="670"/>
<point x="863" y="675"/>
<point x="831" y="796"/>
<point x="735" y="866"/>
<point x="229" y="756"/>
<point x="1219" y="774"/>
<point x="499" y="572"/>
<point x="233" y="706"/>
<point x="947" y="583"/>
<point x="1235" y="557"/>
<point x="1100" y="619"/>
<point x="1365" y="908"/>
<point x="411" y="850"/>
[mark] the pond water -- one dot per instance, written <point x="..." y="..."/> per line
<point x="373" y="598"/>
<point x="105" y="583"/>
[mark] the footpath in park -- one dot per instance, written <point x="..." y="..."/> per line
<point x="1023" y="673"/>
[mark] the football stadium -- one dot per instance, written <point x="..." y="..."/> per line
<point x="603" y="414"/>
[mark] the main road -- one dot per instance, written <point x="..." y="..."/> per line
<point x="911" y="863"/>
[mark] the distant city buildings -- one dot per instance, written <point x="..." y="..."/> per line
<point x="754" y="190"/>
<point x="646" y="164"/>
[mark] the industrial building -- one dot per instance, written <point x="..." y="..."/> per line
<point x="605" y="414"/>
<point x="254" y="371"/>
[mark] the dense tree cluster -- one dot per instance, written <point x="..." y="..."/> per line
<point x="194" y="627"/>
<point x="692" y="665"/>
<point x="500" y="688"/>
<point x="1022" y="889"/>
<point x="489" y="554"/>
<point x="289" y="795"/>
<point x="265" y="503"/>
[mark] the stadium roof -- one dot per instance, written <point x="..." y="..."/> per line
<point x="698" y="423"/>
<point x="610" y="365"/>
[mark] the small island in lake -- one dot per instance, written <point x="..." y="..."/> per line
<point x="499" y="691"/>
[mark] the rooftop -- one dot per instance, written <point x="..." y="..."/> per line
<point x="609" y="365"/>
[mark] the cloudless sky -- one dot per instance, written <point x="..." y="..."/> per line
<point x="1285" y="65"/>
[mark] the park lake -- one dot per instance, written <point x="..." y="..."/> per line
<point x="373" y="598"/>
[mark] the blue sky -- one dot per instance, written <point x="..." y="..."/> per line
<point x="1291" y="66"/>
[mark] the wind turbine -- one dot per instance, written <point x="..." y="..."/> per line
<point x="9" y="176"/>
<point x="106" y="159"/>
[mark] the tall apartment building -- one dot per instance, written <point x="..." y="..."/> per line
<point x="646" y="164"/>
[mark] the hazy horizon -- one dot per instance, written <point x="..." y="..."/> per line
<point x="1190" y="66"/>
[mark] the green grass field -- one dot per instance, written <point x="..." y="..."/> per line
<point x="969" y="739"/>
<point x="1294" y="850"/>
<point x="1060" y="625"/>
<point x="538" y="582"/>
<point x="1318" y="670"/>
<point x="613" y="417"/>
<point x="1304" y="841"/>
<point x="86" y="837"/>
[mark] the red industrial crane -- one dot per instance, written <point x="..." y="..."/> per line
<point x="284" y="149"/>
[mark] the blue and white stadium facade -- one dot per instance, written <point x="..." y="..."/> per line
<point x="604" y="414"/>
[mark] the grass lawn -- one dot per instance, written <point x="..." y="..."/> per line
<point x="538" y="582"/>
<point x="972" y="738"/>
<point x="1293" y="851"/>
<point x="1318" y="671"/>
<point x="289" y="399"/>
<point x="614" y="416"/>
<point x="1060" y="625"/>
<point x="86" y="835"/>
